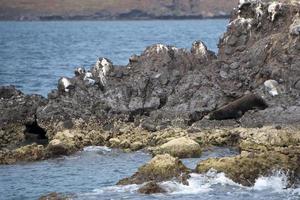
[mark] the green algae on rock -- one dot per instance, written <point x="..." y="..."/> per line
<point x="246" y="168"/>
<point x="160" y="168"/>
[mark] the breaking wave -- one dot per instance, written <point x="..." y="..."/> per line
<point x="97" y="149"/>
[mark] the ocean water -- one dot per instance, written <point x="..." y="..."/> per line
<point x="34" y="55"/>
<point x="93" y="173"/>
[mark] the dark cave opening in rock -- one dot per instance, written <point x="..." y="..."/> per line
<point x="34" y="133"/>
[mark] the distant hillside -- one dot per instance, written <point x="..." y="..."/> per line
<point x="113" y="9"/>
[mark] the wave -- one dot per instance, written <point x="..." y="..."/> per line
<point x="97" y="149"/>
<point x="212" y="182"/>
<point x="277" y="182"/>
<point x="199" y="183"/>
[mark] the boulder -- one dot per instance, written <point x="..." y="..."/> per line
<point x="160" y="168"/>
<point x="26" y="153"/>
<point x="135" y="146"/>
<point x="57" y="148"/>
<point x="67" y="141"/>
<point x="182" y="147"/>
<point x="114" y="142"/>
<point x="246" y="168"/>
<point x="54" y="196"/>
<point x="268" y="138"/>
<point x="151" y="188"/>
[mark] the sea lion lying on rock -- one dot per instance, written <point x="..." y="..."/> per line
<point x="238" y="107"/>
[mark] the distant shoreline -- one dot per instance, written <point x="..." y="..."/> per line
<point x="83" y="18"/>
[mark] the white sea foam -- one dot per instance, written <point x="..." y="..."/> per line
<point x="278" y="182"/>
<point x="115" y="189"/>
<point x="97" y="148"/>
<point x="211" y="181"/>
<point x="198" y="183"/>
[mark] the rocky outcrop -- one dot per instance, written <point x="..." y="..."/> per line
<point x="160" y="168"/>
<point x="26" y="153"/>
<point x="151" y="188"/>
<point x="246" y="168"/>
<point x="55" y="196"/>
<point x="181" y="147"/>
<point x="18" y="117"/>
<point x="167" y="92"/>
<point x="258" y="47"/>
<point x="170" y="87"/>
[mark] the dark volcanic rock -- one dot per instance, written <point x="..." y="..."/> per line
<point x="162" y="79"/>
<point x="166" y="86"/>
<point x="18" y="116"/>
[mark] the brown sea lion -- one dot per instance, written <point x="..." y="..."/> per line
<point x="238" y="107"/>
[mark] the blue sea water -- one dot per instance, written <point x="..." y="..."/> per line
<point x="93" y="173"/>
<point x="34" y="55"/>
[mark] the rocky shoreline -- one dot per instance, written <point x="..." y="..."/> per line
<point x="175" y="103"/>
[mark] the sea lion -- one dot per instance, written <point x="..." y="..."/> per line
<point x="238" y="107"/>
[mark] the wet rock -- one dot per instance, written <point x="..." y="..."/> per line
<point x="26" y="153"/>
<point x="181" y="147"/>
<point x="151" y="188"/>
<point x="67" y="141"/>
<point x="245" y="169"/>
<point x="160" y="168"/>
<point x="55" y="196"/>
<point x="57" y="148"/>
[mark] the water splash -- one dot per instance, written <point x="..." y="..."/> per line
<point x="199" y="183"/>
<point x="97" y="149"/>
<point x="277" y="182"/>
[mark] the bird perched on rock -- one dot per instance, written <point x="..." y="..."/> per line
<point x="101" y="69"/>
<point x="65" y="85"/>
